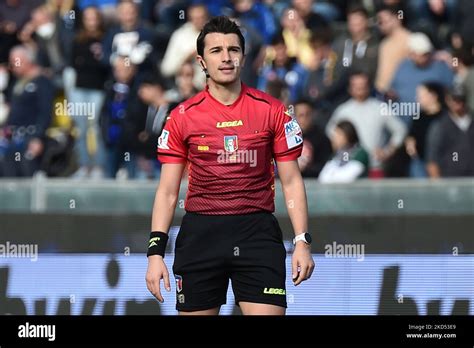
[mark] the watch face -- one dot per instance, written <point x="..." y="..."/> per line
<point x="308" y="238"/>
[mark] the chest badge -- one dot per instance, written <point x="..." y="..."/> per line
<point x="231" y="143"/>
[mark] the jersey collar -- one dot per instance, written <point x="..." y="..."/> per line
<point x="243" y="90"/>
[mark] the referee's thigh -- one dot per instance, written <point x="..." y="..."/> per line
<point x="258" y="269"/>
<point x="199" y="266"/>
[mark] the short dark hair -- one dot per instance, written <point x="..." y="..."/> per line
<point x="359" y="72"/>
<point x="437" y="89"/>
<point x="392" y="9"/>
<point x="219" y="24"/>
<point x="321" y="37"/>
<point x="357" y="8"/>
<point x="349" y="131"/>
<point x="278" y="39"/>
<point x="153" y="79"/>
<point x="304" y="100"/>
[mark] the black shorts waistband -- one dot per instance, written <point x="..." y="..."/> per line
<point x="260" y="212"/>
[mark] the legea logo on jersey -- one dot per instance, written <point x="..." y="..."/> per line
<point x="163" y="140"/>
<point x="229" y="124"/>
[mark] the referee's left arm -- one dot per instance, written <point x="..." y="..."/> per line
<point x="295" y="197"/>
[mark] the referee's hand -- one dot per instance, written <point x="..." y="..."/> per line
<point x="157" y="270"/>
<point x="302" y="263"/>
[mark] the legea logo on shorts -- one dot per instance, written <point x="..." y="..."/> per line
<point x="274" y="291"/>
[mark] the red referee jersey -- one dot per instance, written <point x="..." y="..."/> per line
<point x="230" y="150"/>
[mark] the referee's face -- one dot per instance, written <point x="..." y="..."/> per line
<point x="222" y="57"/>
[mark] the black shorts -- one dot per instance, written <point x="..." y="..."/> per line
<point x="211" y="249"/>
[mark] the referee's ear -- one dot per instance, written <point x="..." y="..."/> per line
<point x="201" y="62"/>
<point x="203" y="65"/>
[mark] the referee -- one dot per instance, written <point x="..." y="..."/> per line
<point x="229" y="135"/>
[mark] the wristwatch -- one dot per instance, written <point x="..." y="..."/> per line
<point x="305" y="237"/>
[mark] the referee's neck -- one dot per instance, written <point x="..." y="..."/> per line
<point x="225" y="94"/>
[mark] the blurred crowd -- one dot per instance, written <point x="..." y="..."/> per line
<point x="380" y="88"/>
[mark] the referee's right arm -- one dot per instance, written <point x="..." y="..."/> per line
<point x="163" y="211"/>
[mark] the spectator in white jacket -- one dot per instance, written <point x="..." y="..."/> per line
<point x="182" y="45"/>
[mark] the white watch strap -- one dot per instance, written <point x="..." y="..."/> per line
<point x="298" y="238"/>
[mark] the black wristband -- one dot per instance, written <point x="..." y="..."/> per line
<point x="157" y="243"/>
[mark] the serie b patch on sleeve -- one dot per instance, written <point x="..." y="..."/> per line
<point x="293" y="134"/>
<point x="163" y="140"/>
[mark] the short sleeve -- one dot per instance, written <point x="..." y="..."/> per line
<point x="171" y="145"/>
<point x="288" y="140"/>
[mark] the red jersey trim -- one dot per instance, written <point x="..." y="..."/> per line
<point x="171" y="159"/>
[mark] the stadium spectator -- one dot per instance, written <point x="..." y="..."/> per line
<point x="117" y="107"/>
<point x="31" y="108"/>
<point x="284" y="68"/>
<point x="254" y="53"/>
<point x="401" y="7"/>
<point x="130" y="38"/>
<point x="358" y="49"/>
<point x="432" y="17"/>
<point x="326" y="46"/>
<point x="394" y="47"/>
<point x="463" y="31"/>
<point x="64" y="11"/>
<point x="152" y="93"/>
<point x="108" y="8"/>
<point x="256" y="15"/>
<point x="53" y="39"/>
<point x="297" y="37"/>
<point x="316" y="146"/>
<point x="88" y="89"/>
<point x="463" y="65"/>
<point x="312" y="20"/>
<point x="365" y="113"/>
<point x="450" y="146"/>
<point x="139" y="138"/>
<point x="182" y="45"/>
<point x="14" y="14"/>
<point x="430" y="96"/>
<point x="418" y="68"/>
<point x="278" y="89"/>
<point x="350" y="161"/>
<point x="327" y="81"/>
<point x="184" y="84"/>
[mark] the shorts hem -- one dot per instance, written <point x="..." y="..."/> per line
<point x="261" y="300"/>
<point x="199" y="308"/>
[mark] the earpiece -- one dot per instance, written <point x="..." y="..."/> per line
<point x="204" y="69"/>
